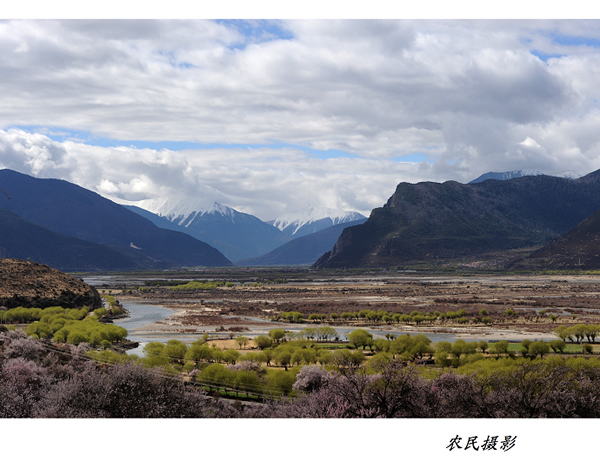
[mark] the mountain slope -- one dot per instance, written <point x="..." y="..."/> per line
<point x="28" y="284"/>
<point x="303" y="250"/>
<point x="579" y="248"/>
<point x="22" y="239"/>
<point x="68" y="209"/>
<point x="313" y="219"/>
<point x="429" y="221"/>
<point x="236" y="234"/>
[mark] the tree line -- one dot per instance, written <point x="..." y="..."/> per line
<point x="35" y="382"/>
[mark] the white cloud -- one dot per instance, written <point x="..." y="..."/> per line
<point x="470" y="96"/>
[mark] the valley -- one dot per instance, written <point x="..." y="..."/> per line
<point x="518" y="306"/>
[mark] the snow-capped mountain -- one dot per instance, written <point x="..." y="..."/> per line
<point x="236" y="234"/>
<point x="183" y="211"/>
<point x="313" y="219"/>
<point x="506" y="175"/>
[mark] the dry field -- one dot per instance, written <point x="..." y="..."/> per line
<point x="573" y="299"/>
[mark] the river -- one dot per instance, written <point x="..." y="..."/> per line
<point x="144" y="314"/>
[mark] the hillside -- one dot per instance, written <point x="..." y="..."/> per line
<point x="579" y="248"/>
<point x="303" y="250"/>
<point x="70" y="210"/>
<point x="25" y="240"/>
<point x="29" y="284"/>
<point x="430" y="221"/>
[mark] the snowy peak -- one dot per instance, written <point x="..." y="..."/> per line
<point x="236" y="234"/>
<point x="506" y="175"/>
<point x="313" y="219"/>
<point x="184" y="210"/>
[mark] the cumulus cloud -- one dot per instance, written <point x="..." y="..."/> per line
<point x="263" y="182"/>
<point x="262" y="98"/>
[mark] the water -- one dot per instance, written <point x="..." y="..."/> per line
<point x="143" y="314"/>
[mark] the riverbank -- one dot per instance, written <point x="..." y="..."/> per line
<point x="518" y="307"/>
<point x="173" y="326"/>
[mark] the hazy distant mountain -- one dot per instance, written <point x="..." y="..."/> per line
<point x="313" y="219"/>
<point x="68" y="209"/>
<point x="303" y="250"/>
<point x="430" y="221"/>
<point x="504" y="175"/>
<point x="519" y="173"/>
<point x="236" y="234"/>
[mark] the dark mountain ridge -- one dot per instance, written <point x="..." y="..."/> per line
<point x="431" y="221"/>
<point x="70" y="210"/>
<point x="25" y="240"/>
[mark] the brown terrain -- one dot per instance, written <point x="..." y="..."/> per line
<point x="28" y="284"/>
<point x="572" y="299"/>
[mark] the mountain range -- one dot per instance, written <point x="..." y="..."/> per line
<point x="55" y="222"/>
<point x="432" y="221"/>
<point x="236" y="234"/>
<point x="71" y="228"/>
<point x="506" y="175"/>
<point x="304" y="250"/>
<point x="314" y="219"/>
<point x="240" y="236"/>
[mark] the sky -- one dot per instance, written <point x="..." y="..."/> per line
<point x="269" y="116"/>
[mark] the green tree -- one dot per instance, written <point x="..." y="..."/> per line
<point x="442" y="358"/>
<point x="276" y="335"/>
<point x="175" y="350"/>
<point x="326" y="333"/>
<point x="561" y="332"/>
<point x="280" y="382"/>
<point x="525" y="343"/>
<point x="247" y="381"/>
<point x="216" y="374"/>
<point x="558" y="345"/>
<point x="325" y="357"/>
<point x="314" y="317"/>
<point x="77" y="337"/>
<point x="263" y="342"/>
<point x="483" y="345"/>
<point x="242" y="341"/>
<point x="284" y="358"/>
<point x="499" y="348"/>
<point x="538" y="348"/>
<point x="360" y="338"/>
<point x="198" y="352"/>
<point x="346" y="359"/>
<point x="231" y="356"/>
